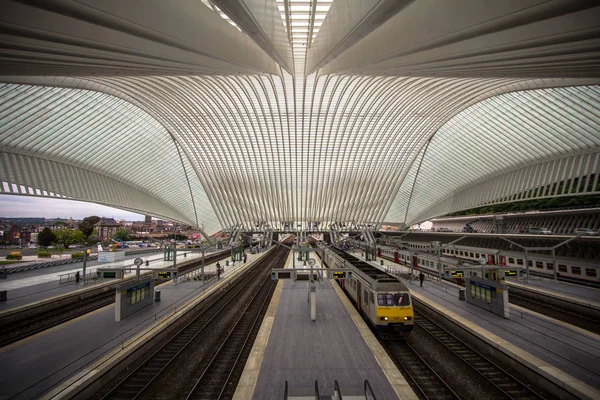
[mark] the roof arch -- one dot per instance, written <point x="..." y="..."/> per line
<point x="355" y="129"/>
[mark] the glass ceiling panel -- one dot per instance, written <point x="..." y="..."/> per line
<point x="499" y="135"/>
<point x="100" y="133"/>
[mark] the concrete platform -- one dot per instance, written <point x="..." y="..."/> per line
<point x="36" y="364"/>
<point x="36" y="285"/>
<point x="337" y="346"/>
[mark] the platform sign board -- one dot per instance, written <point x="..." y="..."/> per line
<point x="488" y="294"/>
<point x="457" y="274"/>
<point x="342" y="274"/>
<point x="275" y="275"/>
<point x="111" y="256"/>
<point x="510" y="272"/>
<point x="132" y="296"/>
<point x="164" y="274"/>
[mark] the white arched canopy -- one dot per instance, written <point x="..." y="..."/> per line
<point x="323" y="113"/>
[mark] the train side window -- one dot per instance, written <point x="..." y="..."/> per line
<point x="562" y="268"/>
<point x="539" y="264"/>
<point x="590" y="272"/>
<point x="366" y="296"/>
<point x="519" y="261"/>
<point x="511" y="260"/>
<point x="471" y="255"/>
<point x="476" y="255"/>
<point x="460" y="253"/>
<point x="530" y="263"/>
<point x="576" y="270"/>
<point x="550" y="266"/>
<point x="451" y="251"/>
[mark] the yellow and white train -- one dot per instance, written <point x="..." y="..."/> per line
<point x="381" y="298"/>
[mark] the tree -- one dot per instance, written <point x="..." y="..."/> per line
<point x="87" y="225"/>
<point x="46" y="237"/>
<point x="67" y="237"/>
<point x="122" y="234"/>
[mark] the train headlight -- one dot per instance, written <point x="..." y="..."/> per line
<point x="383" y="318"/>
<point x="407" y="318"/>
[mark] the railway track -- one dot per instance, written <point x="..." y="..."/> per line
<point x="212" y="384"/>
<point x="506" y="385"/>
<point x="425" y="381"/>
<point x="570" y="316"/>
<point x="199" y="361"/>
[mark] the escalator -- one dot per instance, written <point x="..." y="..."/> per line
<point x="367" y="394"/>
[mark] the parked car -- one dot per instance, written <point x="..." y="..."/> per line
<point x="584" y="232"/>
<point x="536" y="230"/>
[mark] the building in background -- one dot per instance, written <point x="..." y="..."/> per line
<point x="107" y="227"/>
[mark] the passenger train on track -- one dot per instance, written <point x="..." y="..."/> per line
<point x="455" y="257"/>
<point x="382" y="299"/>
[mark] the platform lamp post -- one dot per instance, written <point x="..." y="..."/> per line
<point x="84" y="260"/>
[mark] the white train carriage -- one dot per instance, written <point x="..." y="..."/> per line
<point x="380" y="297"/>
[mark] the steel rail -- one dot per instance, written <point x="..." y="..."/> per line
<point x="170" y="350"/>
<point x="224" y="360"/>
<point x="423" y="376"/>
<point x="500" y="379"/>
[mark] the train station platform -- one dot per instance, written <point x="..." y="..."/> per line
<point x="338" y="345"/>
<point x="568" y="291"/>
<point x="69" y="351"/>
<point x="554" y="349"/>
<point x="42" y="284"/>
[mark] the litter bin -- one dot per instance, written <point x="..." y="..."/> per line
<point x="3" y="295"/>
<point x="461" y="294"/>
<point x="156" y="296"/>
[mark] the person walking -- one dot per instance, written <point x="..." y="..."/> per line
<point x="421" y="278"/>
<point x="218" y="270"/>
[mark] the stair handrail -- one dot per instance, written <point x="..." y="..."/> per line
<point x="369" y="395"/>
<point x="336" y="390"/>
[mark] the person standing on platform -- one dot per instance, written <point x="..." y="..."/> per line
<point x="218" y="270"/>
<point x="245" y="257"/>
<point x="77" y="277"/>
<point x="421" y="278"/>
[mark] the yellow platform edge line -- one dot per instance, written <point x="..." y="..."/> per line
<point x="394" y="376"/>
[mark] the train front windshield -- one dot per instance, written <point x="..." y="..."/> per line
<point x="397" y="299"/>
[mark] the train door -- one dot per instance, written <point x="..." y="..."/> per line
<point x="396" y="257"/>
<point x="379" y="252"/>
<point x="503" y="261"/>
<point x="415" y="261"/>
<point x="490" y="259"/>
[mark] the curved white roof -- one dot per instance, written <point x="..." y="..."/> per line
<point x="352" y="112"/>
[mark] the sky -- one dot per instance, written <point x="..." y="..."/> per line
<point x="12" y="206"/>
